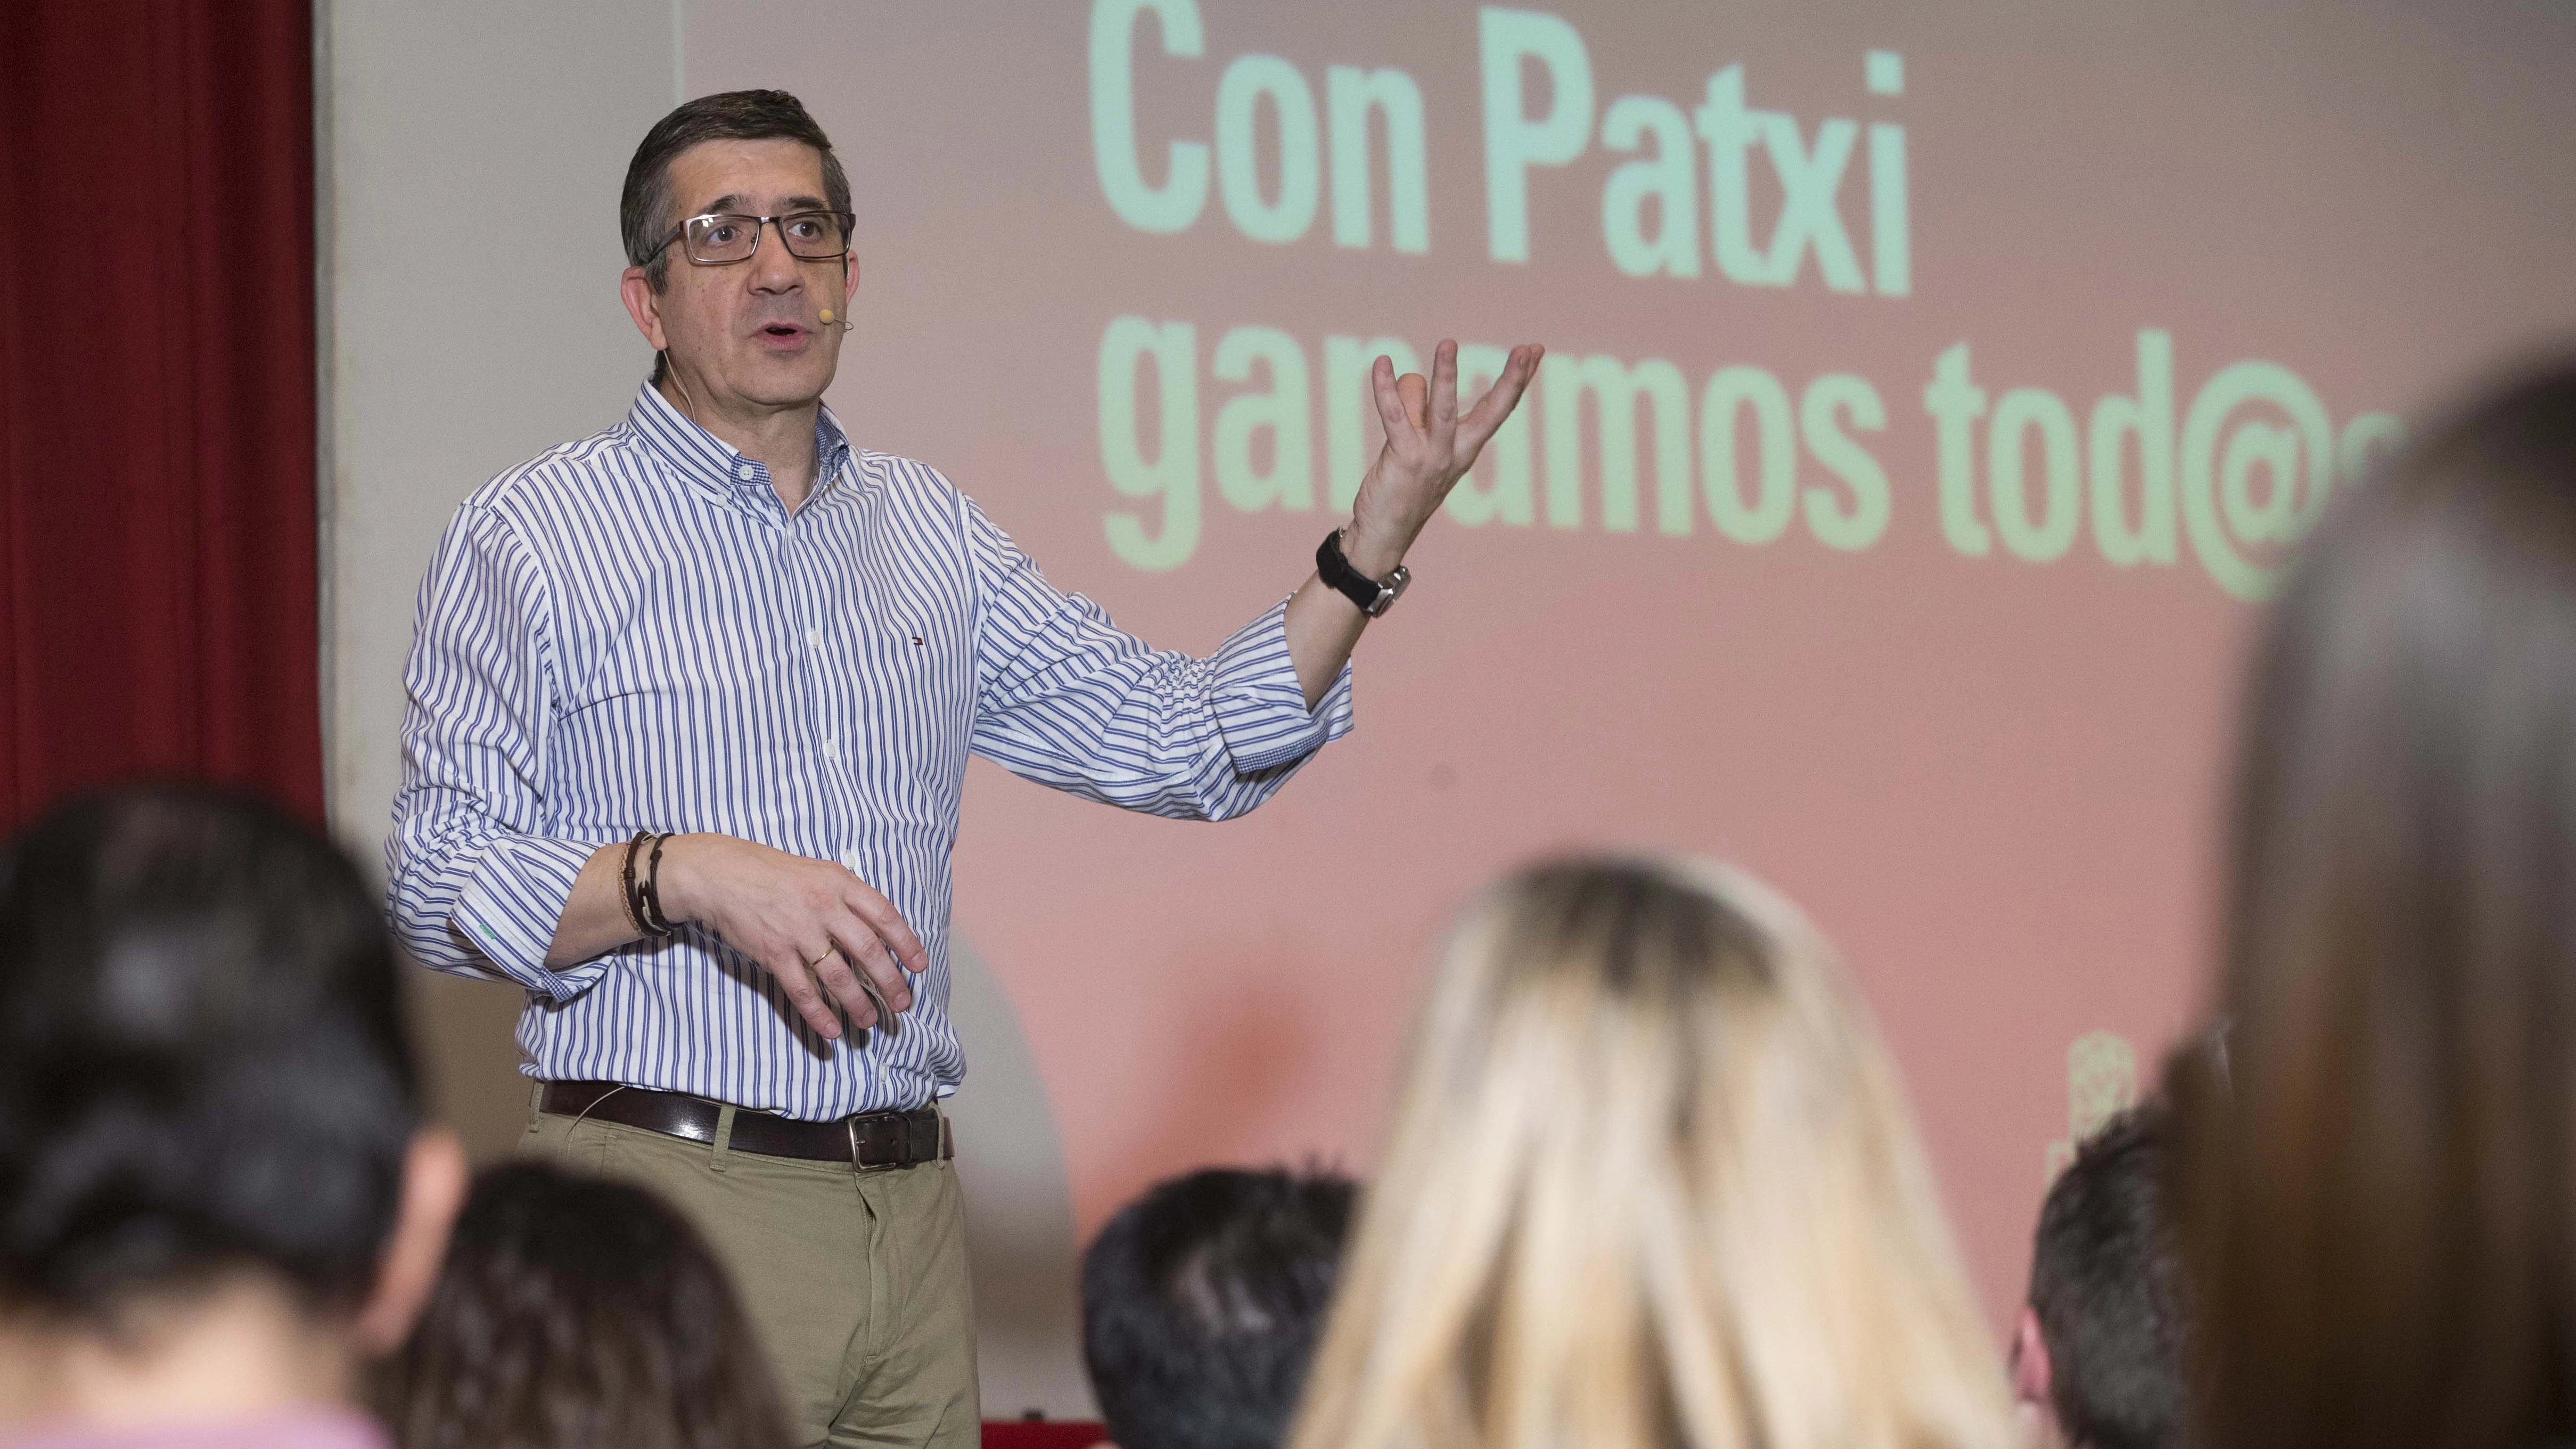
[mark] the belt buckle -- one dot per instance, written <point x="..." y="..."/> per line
<point x="902" y="1158"/>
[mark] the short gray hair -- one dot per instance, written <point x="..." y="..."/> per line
<point x="644" y="207"/>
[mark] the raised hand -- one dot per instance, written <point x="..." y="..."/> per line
<point x="1429" y="447"/>
<point x="810" y="923"/>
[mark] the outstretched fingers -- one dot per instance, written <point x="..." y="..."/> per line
<point x="1481" y="421"/>
<point x="1444" y="391"/>
<point x="1392" y="414"/>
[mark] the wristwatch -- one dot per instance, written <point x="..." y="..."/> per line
<point x="1374" y="598"/>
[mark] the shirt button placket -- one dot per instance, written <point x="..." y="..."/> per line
<point x="831" y="801"/>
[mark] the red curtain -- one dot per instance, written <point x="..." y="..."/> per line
<point x="1041" y="1434"/>
<point x="158" y="565"/>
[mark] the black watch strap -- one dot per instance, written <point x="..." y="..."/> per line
<point x="1374" y="598"/>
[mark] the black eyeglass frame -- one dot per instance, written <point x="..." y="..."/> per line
<point x="760" y="225"/>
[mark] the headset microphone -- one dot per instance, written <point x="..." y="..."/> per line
<point x="829" y="319"/>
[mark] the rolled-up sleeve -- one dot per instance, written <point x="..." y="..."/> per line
<point x="476" y="885"/>
<point x="1065" y="698"/>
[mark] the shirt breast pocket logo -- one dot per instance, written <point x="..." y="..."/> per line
<point x="919" y="705"/>
<point x="924" y="669"/>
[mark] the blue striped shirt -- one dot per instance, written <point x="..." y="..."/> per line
<point x="632" y="633"/>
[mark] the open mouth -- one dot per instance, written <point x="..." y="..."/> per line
<point x="783" y="331"/>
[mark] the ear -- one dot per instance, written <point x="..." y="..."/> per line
<point x="433" y="1190"/>
<point x="644" y="305"/>
<point x="2032" y="1374"/>
<point x="849" y="289"/>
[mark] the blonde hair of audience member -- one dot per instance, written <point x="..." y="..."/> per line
<point x="1651" y="1182"/>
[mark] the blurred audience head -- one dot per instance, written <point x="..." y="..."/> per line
<point x="2097" y="1355"/>
<point x="578" y="1313"/>
<point x="2379" y="1221"/>
<point x="210" y="1135"/>
<point x="1651" y="1182"/>
<point x="1201" y="1302"/>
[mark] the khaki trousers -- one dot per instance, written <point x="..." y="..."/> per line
<point x="855" y="1281"/>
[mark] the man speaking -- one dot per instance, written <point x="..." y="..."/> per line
<point x="689" y="707"/>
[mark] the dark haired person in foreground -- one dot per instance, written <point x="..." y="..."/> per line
<point x="2378" y="1209"/>
<point x="690" y="704"/>
<point x="2097" y="1356"/>
<point x="1201" y="1301"/>
<point x="577" y="1313"/>
<point x="216" y="1193"/>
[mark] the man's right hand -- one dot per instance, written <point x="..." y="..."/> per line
<point x="810" y="923"/>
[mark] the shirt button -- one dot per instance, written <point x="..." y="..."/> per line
<point x="814" y="637"/>
<point x="831" y="749"/>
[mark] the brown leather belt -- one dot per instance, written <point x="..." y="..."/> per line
<point x="872" y="1139"/>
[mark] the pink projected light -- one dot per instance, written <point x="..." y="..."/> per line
<point x="1927" y="398"/>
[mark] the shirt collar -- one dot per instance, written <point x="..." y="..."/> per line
<point x="713" y="467"/>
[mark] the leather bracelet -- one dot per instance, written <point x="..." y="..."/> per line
<point x="627" y="894"/>
<point x="655" y="918"/>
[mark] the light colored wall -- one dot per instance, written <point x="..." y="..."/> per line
<point x="471" y="154"/>
<point x="475" y="152"/>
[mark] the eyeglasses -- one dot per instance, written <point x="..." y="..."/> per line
<point x="721" y="237"/>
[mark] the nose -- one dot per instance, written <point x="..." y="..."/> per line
<point x="773" y="267"/>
